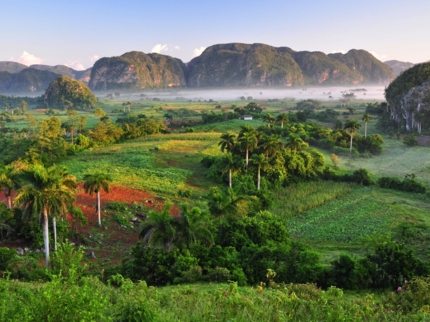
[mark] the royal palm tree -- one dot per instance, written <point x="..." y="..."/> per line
<point x="366" y="119"/>
<point x="282" y="118"/>
<point x="42" y="195"/>
<point x="269" y="118"/>
<point x="228" y="141"/>
<point x="270" y="145"/>
<point x="248" y="140"/>
<point x="94" y="183"/>
<point x="295" y="143"/>
<point x="158" y="230"/>
<point x="352" y="126"/>
<point x="229" y="164"/>
<point x="192" y="226"/>
<point x="9" y="181"/>
<point x="261" y="162"/>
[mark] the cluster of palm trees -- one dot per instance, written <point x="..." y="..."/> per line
<point x="46" y="192"/>
<point x="264" y="148"/>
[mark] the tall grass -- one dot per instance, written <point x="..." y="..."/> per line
<point x="298" y="198"/>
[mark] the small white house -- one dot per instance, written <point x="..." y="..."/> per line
<point x="246" y="118"/>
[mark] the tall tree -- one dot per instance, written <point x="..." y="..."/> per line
<point x="248" y="140"/>
<point x="42" y="195"/>
<point x="269" y="118"/>
<point x="228" y="141"/>
<point x="352" y="126"/>
<point x="229" y="164"/>
<point x="366" y="119"/>
<point x="260" y="161"/>
<point x="282" y="118"/>
<point x="270" y="145"/>
<point x="94" y="183"/>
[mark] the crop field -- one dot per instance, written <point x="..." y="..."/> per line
<point x="162" y="164"/>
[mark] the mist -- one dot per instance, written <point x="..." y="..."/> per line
<point x="365" y="93"/>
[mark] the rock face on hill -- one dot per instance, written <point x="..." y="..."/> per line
<point x="136" y="70"/>
<point x="408" y="97"/>
<point x="398" y="66"/>
<point x="81" y="75"/>
<point x="27" y="80"/>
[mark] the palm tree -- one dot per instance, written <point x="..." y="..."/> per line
<point x="261" y="162"/>
<point x="353" y="126"/>
<point x="248" y="139"/>
<point x="229" y="165"/>
<point x="192" y="226"/>
<point x="282" y="118"/>
<point x="66" y="182"/>
<point x="295" y="143"/>
<point x="42" y="195"/>
<point x="94" y="183"/>
<point x="269" y="118"/>
<point x="158" y="229"/>
<point x="366" y="119"/>
<point x="9" y="181"/>
<point x="270" y="145"/>
<point x="228" y="141"/>
<point x="223" y="204"/>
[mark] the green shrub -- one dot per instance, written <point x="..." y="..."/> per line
<point x="410" y="140"/>
<point x="6" y="255"/>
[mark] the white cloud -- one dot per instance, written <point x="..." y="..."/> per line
<point x="159" y="48"/>
<point x="94" y="58"/>
<point x="198" y="51"/>
<point x="381" y="57"/>
<point x="176" y="47"/>
<point x="27" y="59"/>
<point x="75" y="64"/>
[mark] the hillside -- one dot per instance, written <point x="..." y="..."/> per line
<point x="81" y="75"/>
<point x="398" y="66"/>
<point x="11" y="67"/>
<point x="137" y="70"/>
<point x="408" y="97"/>
<point x="27" y="80"/>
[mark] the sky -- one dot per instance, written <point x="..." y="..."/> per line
<point x="77" y="33"/>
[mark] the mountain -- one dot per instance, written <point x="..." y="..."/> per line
<point x="11" y="67"/>
<point x="137" y="70"/>
<point x="244" y="65"/>
<point x="366" y="65"/>
<point x="27" y="80"/>
<point x="83" y="76"/>
<point x="398" y="66"/>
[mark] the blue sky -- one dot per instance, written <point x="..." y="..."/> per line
<point x="76" y="33"/>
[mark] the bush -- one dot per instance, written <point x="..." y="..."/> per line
<point x="410" y="140"/>
<point x="6" y="255"/>
<point x="409" y="184"/>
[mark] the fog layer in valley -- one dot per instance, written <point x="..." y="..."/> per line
<point x="320" y="93"/>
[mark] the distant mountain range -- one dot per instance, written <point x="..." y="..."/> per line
<point x="219" y="66"/>
<point x="398" y="66"/>
<point x="19" y="78"/>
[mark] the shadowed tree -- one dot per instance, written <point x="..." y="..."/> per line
<point x="366" y="119"/>
<point x="9" y="181"/>
<point x="269" y="118"/>
<point x="352" y="126"/>
<point x="191" y="226"/>
<point x="228" y="141"/>
<point x="94" y="183"/>
<point x="73" y="117"/>
<point x="261" y="163"/>
<point x="158" y="230"/>
<point x="42" y="195"/>
<point x="281" y="119"/>
<point x="295" y="143"/>
<point x="248" y="140"/>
